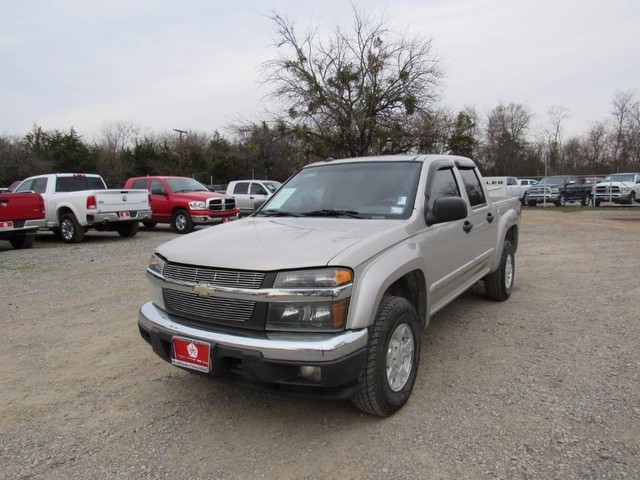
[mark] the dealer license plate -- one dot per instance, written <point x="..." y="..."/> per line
<point x="5" y="225"/>
<point x="191" y="354"/>
<point x="125" y="215"/>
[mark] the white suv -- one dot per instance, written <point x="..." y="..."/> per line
<point x="251" y="194"/>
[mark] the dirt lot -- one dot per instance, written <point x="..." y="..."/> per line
<point x="546" y="385"/>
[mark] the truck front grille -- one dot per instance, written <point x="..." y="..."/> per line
<point x="221" y="204"/>
<point x="208" y="309"/>
<point x="213" y="276"/>
<point x="608" y="190"/>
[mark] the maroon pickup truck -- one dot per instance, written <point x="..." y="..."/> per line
<point x="183" y="202"/>
<point x="21" y="215"/>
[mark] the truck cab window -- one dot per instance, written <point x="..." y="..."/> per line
<point x="444" y="185"/>
<point x="472" y="186"/>
<point x="241" y="188"/>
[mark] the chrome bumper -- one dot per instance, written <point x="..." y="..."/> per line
<point x="293" y="347"/>
<point x="109" y="217"/>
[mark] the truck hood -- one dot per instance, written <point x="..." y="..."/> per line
<point x="198" y="196"/>
<point x="267" y="244"/>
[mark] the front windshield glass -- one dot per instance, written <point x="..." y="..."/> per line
<point x="619" y="178"/>
<point x="180" y="185"/>
<point x="552" y="181"/>
<point x="350" y="190"/>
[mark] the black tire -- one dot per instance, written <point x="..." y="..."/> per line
<point x="148" y="224"/>
<point x="632" y="198"/>
<point x="562" y="202"/>
<point x="596" y="202"/>
<point x="128" y="229"/>
<point x="70" y="230"/>
<point x="22" y="241"/>
<point x="586" y="201"/>
<point x="499" y="284"/>
<point x="181" y="221"/>
<point x="396" y="325"/>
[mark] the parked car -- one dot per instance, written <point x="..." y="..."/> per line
<point x="559" y="190"/>
<point x="622" y="188"/>
<point x="183" y="202"/>
<point x="509" y="187"/>
<point x="76" y="202"/>
<point x="21" y="215"/>
<point x="326" y="289"/>
<point x="251" y="194"/>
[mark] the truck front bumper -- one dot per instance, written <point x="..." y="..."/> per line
<point x="326" y="365"/>
<point x="210" y="219"/>
<point x="549" y="198"/>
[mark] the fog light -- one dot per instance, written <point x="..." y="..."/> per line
<point x="311" y="373"/>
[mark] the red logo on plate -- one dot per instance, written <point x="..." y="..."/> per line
<point x="191" y="354"/>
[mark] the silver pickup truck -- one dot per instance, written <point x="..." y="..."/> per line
<point x="326" y="289"/>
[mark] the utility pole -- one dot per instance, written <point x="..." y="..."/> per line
<point x="180" y="148"/>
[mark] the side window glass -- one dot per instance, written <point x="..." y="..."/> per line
<point x="472" y="186"/>
<point x="142" y="183"/>
<point x="443" y="185"/>
<point x="40" y="185"/>
<point x="157" y="188"/>
<point x="257" y="189"/>
<point x="241" y="188"/>
<point x="25" y="186"/>
<point x="511" y="181"/>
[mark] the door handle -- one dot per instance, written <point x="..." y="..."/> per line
<point x="490" y="217"/>
<point x="467" y="226"/>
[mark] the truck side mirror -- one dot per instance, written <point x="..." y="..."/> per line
<point x="447" y="209"/>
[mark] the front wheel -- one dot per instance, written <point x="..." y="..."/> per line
<point x="181" y="222"/>
<point x="128" y="229"/>
<point x="563" y="201"/>
<point x="393" y="354"/>
<point x="70" y="230"/>
<point x="586" y="200"/>
<point x="498" y="285"/>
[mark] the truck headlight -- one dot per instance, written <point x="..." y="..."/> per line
<point x="316" y="316"/>
<point x="312" y="316"/>
<point x="197" y="206"/>
<point x="625" y="189"/>
<point x="156" y="264"/>
<point x="555" y="190"/>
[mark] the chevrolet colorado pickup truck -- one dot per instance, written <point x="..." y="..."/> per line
<point x="76" y="202"/>
<point x="183" y="202"/>
<point x="559" y="190"/>
<point x="21" y="215"/>
<point x="325" y="290"/>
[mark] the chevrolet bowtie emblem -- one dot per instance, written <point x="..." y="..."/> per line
<point x="203" y="290"/>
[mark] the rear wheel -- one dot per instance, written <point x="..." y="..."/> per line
<point x="393" y="353"/>
<point x="70" y="230"/>
<point x="22" y="241"/>
<point x="128" y="229"/>
<point x="181" y="222"/>
<point x="498" y="285"/>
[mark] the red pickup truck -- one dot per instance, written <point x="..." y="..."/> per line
<point x="183" y="202"/>
<point x="21" y="215"/>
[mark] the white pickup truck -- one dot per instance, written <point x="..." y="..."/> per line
<point x="509" y="187"/>
<point x="76" y="202"/>
<point x="326" y="289"/>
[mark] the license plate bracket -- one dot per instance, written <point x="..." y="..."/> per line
<point x="192" y="354"/>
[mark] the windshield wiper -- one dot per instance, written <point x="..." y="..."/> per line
<point x="276" y="213"/>
<point x="328" y="212"/>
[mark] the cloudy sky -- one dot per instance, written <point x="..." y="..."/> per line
<point x="194" y="64"/>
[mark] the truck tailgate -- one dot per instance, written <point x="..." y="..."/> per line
<point x="21" y="206"/>
<point x="122" y="200"/>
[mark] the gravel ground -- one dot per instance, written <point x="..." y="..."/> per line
<point x="543" y="386"/>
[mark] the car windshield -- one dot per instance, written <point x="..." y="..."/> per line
<point x="553" y="181"/>
<point x="619" y="178"/>
<point x="348" y="190"/>
<point x="178" y="185"/>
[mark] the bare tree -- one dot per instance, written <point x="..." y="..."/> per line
<point x="354" y="92"/>
<point x="557" y="115"/>
<point x="506" y="138"/>
<point x="623" y="105"/>
<point x="115" y="137"/>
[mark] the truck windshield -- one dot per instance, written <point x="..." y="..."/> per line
<point x="619" y="178"/>
<point x="348" y="190"/>
<point x="553" y="181"/>
<point x="178" y="185"/>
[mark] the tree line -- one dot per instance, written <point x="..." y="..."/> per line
<point x="362" y="90"/>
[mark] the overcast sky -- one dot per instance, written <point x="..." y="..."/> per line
<point x="194" y="65"/>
